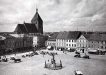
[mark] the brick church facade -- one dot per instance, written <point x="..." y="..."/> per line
<point x="36" y="26"/>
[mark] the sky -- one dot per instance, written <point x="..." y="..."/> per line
<point x="57" y="15"/>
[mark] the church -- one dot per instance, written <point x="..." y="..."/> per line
<point x="35" y="27"/>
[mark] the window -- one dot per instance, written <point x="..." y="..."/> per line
<point x="72" y="40"/>
<point x="69" y="40"/>
<point x="67" y="44"/>
<point x="101" y="46"/>
<point x="72" y="45"/>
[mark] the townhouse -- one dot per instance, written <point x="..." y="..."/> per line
<point x="67" y="40"/>
<point x="94" y="41"/>
<point x="51" y="42"/>
<point x="61" y="40"/>
<point x="71" y="42"/>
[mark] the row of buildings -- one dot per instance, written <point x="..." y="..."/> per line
<point x="77" y="40"/>
<point x="20" y="42"/>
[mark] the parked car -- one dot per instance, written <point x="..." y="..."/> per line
<point x="93" y="51"/>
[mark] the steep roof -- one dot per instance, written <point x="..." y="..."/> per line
<point x="30" y="28"/>
<point x="26" y="28"/>
<point x="95" y="37"/>
<point x="36" y="17"/>
<point x="73" y="35"/>
<point x="68" y="35"/>
<point x="53" y="37"/>
<point x="62" y="35"/>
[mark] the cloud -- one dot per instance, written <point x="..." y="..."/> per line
<point x="58" y="15"/>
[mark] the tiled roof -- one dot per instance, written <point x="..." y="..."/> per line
<point x="103" y="37"/>
<point x="68" y="35"/>
<point x="62" y="35"/>
<point x="26" y="28"/>
<point x="53" y="37"/>
<point x="36" y="17"/>
<point x="95" y="37"/>
<point x="22" y="27"/>
<point x="30" y="28"/>
<point x="73" y="35"/>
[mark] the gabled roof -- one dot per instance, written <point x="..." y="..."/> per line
<point x="30" y="28"/>
<point x="26" y="28"/>
<point x="36" y="17"/>
<point x="20" y="29"/>
<point x="62" y="35"/>
<point x="95" y="37"/>
<point x="73" y="35"/>
<point x="87" y="36"/>
<point x="68" y="35"/>
<point x="53" y="37"/>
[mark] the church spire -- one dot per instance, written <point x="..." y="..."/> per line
<point x="36" y="9"/>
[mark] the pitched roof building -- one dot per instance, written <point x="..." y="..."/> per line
<point x="37" y="20"/>
<point x="36" y="25"/>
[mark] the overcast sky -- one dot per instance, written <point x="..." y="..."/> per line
<point x="58" y="15"/>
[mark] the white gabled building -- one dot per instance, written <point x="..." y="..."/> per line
<point x="51" y="42"/>
<point x="83" y="42"/>
<point x="67" y="40"/>
<point x="94" y="41"/>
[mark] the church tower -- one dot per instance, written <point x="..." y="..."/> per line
<point x="37" y="20"/>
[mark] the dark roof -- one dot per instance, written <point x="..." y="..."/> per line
<point x="68" y="35"/>
<point x="73" y="35"/>
<point x="87" y="36"/>
<point x="20" y="29"/>
<point x="30" y="28"/>
<point x="103" y="37"/>
<point x="95" y="37"/>
<point x="36" y="17"/>
<point x="53" y="36"/>
<point x="62" y="35"/>
<point x="26" y="28"/>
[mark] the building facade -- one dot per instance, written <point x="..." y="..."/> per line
<point x="67" y="40"/>
<point x="82" y="43"/>
<point x="52" y="40"/>
<point x="36" y="26"/>
<point x="94" y="41"/>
